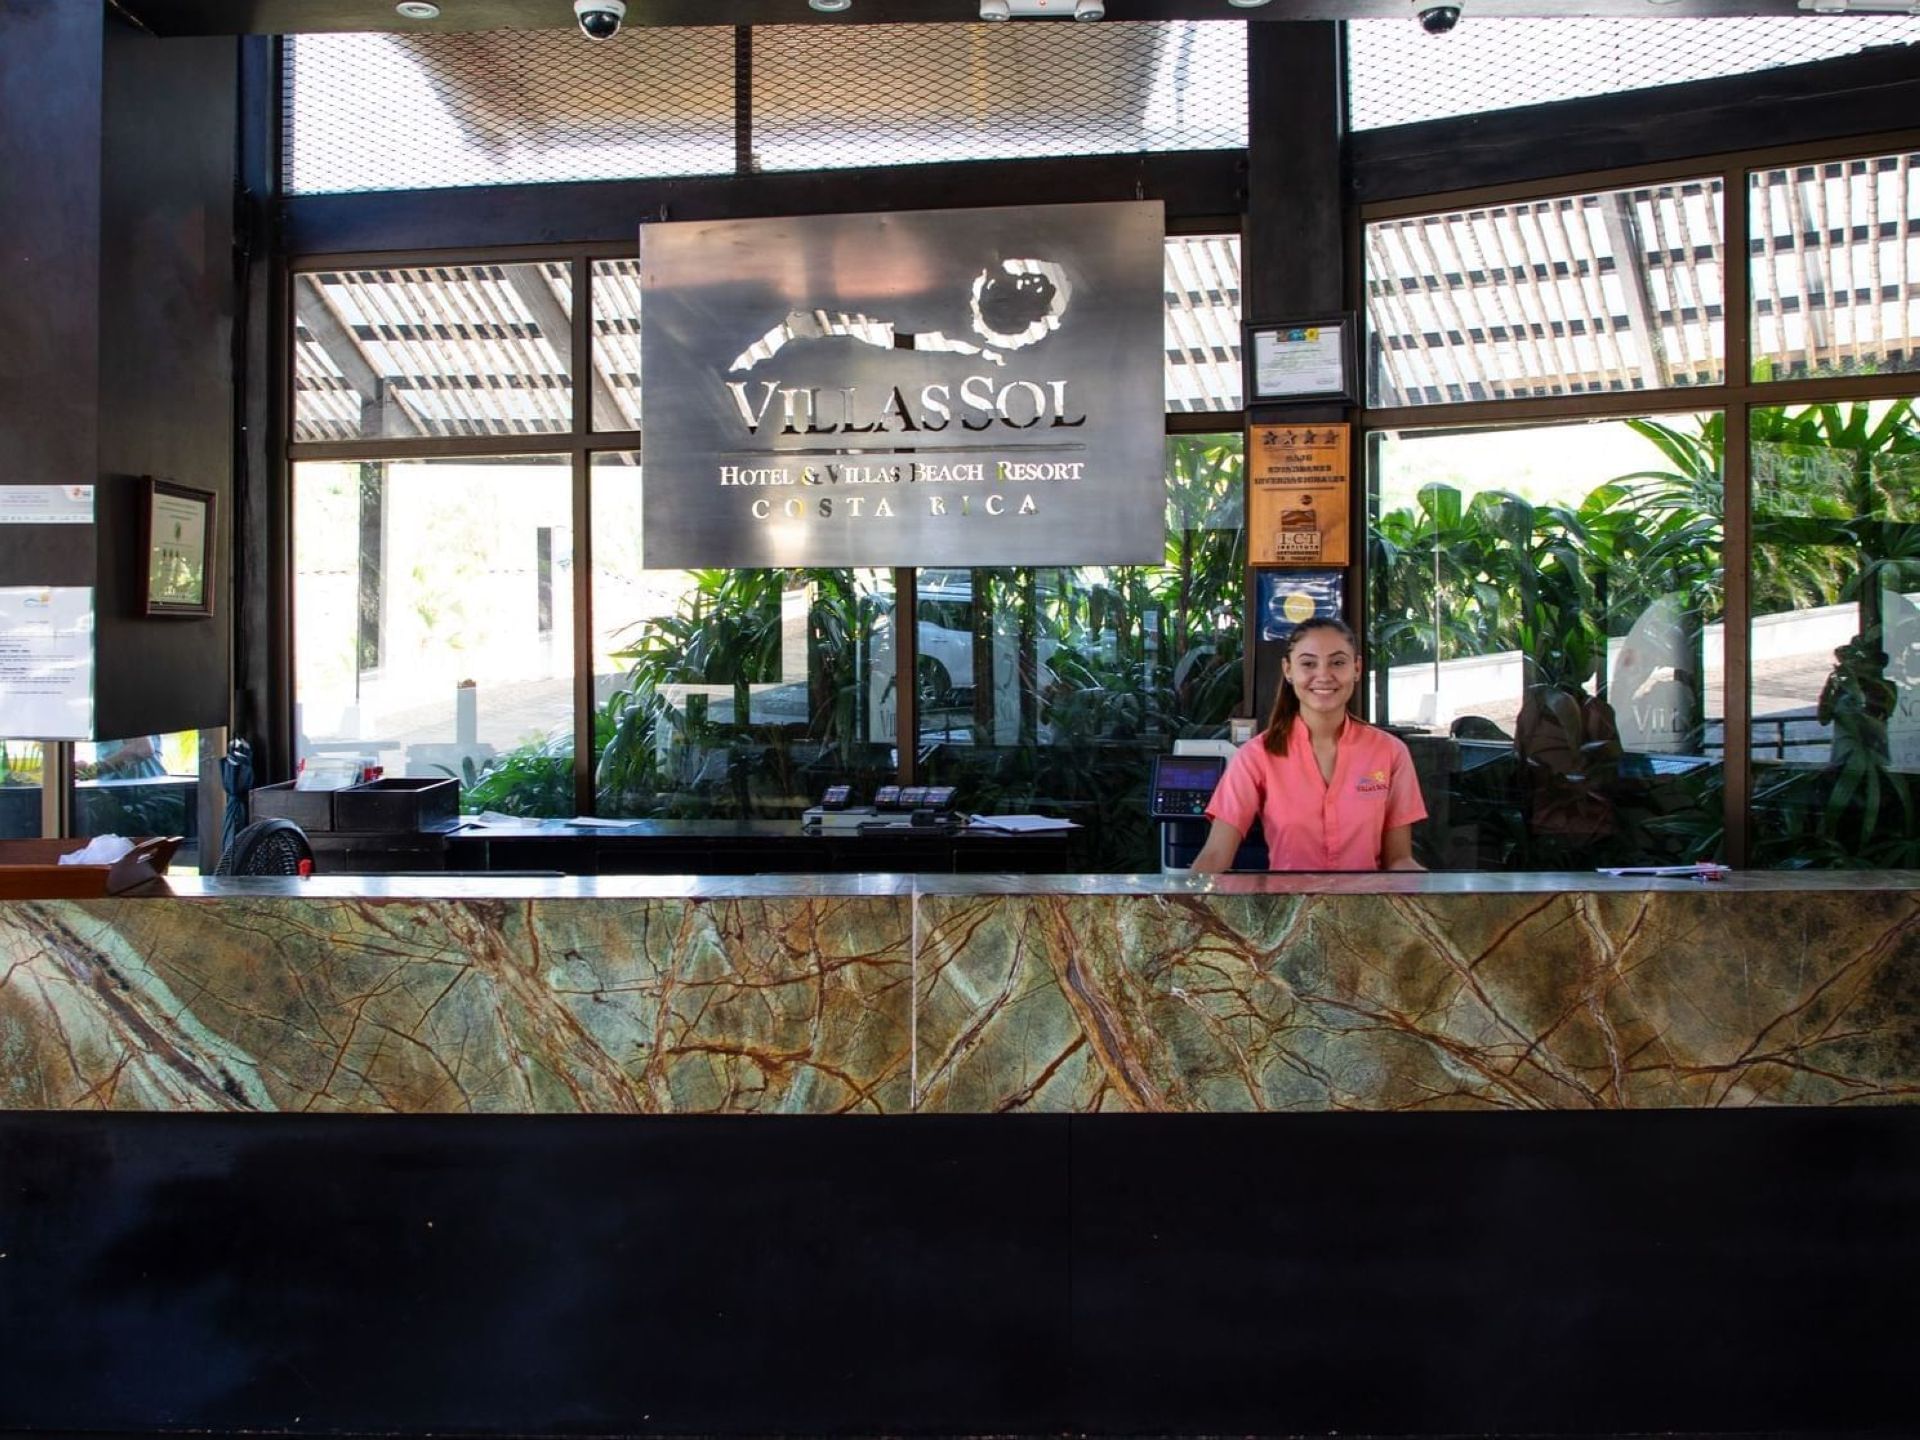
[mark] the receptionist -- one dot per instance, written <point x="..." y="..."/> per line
<point x="1330" y="791"/>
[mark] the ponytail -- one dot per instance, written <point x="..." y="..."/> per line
<point x="1286" y="704"/>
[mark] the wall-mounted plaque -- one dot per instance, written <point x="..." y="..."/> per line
<point x="956" y="387"/>
<point x="1297" y="487"/>
<point x="179" y="549"/>
<point x="1290" y="598"/>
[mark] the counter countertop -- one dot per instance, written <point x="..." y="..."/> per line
<point x="722" y="887"/>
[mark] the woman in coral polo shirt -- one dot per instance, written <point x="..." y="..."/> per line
<point x="1331" y="791"/>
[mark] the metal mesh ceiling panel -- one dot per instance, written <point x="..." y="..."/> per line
<point x="1836" y="267"/>
<point x="1398" y="74"/>
<point x="497" y="107"/>
<point x="432" y="351"/>
<point x="1563" y="296"/>
<point x="832" y="96"/>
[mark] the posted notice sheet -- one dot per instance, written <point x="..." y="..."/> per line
<point x="46" y="662"/>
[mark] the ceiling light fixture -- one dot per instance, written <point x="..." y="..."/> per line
<point x="830" y="7"/>
<point x="1043" y="9"/>
<point x="1862" y="7"/>
<point x="1246" y="4"/>
<point x="417" y="10"/>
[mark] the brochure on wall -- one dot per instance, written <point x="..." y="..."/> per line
<point x="46" y="504"/>
<point x="46" y="662"/>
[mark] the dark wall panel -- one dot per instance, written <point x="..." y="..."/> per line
<point x="166" y="337"/>
<point x="1579" y="1273"/>
<point x="598" y="1275"/>
<point x="1616" y="1273"/>
<point x="1865" y="94"/>
<point x="50" y="195"/>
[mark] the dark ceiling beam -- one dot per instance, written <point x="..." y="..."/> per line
<point x="1873" y="93"/>
<point x="287" y="17"/>
<point x="1192" y="185"/>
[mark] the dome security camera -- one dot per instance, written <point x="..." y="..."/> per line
<point x="600" y="19"/>
<point x="1437" y="19"/>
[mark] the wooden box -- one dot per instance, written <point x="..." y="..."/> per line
<point x="31" y="869"/>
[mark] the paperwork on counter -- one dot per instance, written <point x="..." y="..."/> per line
<point x="1018" y="824"/>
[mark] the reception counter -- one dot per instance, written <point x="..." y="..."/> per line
<point x="891" y="995"/>
<point x="354" y="1156"/>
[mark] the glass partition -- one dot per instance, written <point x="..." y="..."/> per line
<point x="138" y="786"/>
<point x="1836" y="635"/>
<point x="20" y="772"/>
<point x="1051" y="689"/>
<point x="433" y="623"/>
<point x="731" y="693"/>
<point x="1545" y="630"/>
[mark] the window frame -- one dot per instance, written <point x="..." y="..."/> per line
<point x="1735" y="397"/>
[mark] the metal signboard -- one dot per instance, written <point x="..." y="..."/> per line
<point x="973" y="387"/>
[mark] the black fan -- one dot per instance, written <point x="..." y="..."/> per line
<point x="267" y="847"/>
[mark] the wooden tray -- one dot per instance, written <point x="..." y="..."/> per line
<point x="31" y="869"/>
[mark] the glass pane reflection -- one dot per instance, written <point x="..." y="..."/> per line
<point x="1545" y="630"/>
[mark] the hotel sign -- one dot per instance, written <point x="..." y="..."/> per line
<point x="973" y="387"/>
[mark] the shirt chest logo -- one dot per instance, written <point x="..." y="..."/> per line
<point x="1374" y="782"/>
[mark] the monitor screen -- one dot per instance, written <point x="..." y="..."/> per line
<point x="1189" y="772"/>
<point x="1182" y="785"/>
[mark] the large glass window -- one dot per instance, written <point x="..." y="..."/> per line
<point x="20" y="771"/>
<point x="433" y="614"/>
<point x="1569" y="295"/>
<point x="432" y="351"/>
<point x="1051" y="689"/>
<point x="1836" y="635"/>
<point x="1836" y="267"/>
<point x="740" y="693"/>
<point x="138" y="786"/>
<point x="1545" y="624"/>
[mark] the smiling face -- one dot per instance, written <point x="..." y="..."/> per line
<point x="1322" y="669"/>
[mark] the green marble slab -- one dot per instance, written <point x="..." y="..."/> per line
<point x="781" y="1004"/>
<point x="884" y="995"/>
<point x="1212" y="1001"/>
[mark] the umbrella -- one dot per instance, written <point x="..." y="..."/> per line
<point x="236" y="778"/>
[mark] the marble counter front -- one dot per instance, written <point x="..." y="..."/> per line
<point x="892" y="994"/>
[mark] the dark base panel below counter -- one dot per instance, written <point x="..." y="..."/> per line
<point x="1394" y="1274"/>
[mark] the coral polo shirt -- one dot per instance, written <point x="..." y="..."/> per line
<point x="1313" y="824"/>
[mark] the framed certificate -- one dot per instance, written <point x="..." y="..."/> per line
<point x="179" y="549"/>
<point x="1300" y="360"/>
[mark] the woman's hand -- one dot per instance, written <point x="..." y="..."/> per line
<point x="1396" y="849"/>
<point x="1216" y="856"/>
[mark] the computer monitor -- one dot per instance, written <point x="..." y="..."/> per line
<point x="1181" y="785"/>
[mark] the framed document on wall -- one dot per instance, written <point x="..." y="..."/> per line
<point x="1300" y="360"/>
<point x="179" y="549"/>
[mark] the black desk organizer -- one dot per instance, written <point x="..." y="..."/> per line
<point x="396" y="824"/>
